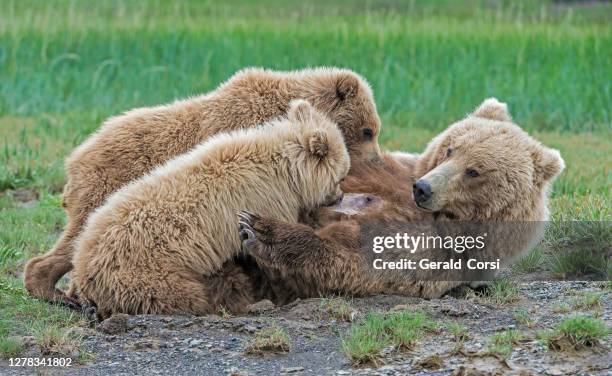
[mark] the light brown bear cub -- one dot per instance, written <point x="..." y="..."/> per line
<point x="128" y="146"/>
<point x="150" y="248"/>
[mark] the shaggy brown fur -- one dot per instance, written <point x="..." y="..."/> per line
<point x="127" y="147"/>
<point x="482" y="168"/>
<point x="155" y="244"/>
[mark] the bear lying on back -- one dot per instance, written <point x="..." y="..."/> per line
<point x="128" y="146"/>
<point x="152" y="246"/>
<point x="483" y="168"/>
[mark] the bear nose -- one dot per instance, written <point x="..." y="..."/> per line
<point x="421" y="191"/>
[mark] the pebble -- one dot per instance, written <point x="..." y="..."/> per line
<point x="261" y="306"/>
<point x="554" y="372"/>
<point x="291" y="369"/>
<point x="195" y="342"/>
<point x="115" y="324"/>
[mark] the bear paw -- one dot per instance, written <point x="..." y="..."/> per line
<point x="251" y="231"/>
<point x="89" y="309"/>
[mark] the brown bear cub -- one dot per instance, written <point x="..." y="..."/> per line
<point x="129" y="146"/>
<point x="154" y="245"/>
<point x="483" y="168"/>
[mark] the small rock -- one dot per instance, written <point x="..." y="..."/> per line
<point x="430" y="362"/>
<point x="261" y="306"/>
<point x="195" y="342"/>
<point x="342" y="372"/>
<point x="115" y="324"/>
<point x="554" y="372"/>
<point x="26" y="341"/>
<point x="186" y="324"/>
<point x="250" y="329"/>
<point x="454" y="311"/>
<point x="146" y="344"/>
<point x="234" y="371"/>
<point x="291" y="369"/>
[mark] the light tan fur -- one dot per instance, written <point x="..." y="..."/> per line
<point x="128" y="146"/>
<point x="150" y="246"/>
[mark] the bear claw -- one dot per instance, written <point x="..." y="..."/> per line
<point x="90" y="311"/>
<point x="247" y="234"/>
<point x="245" y="216"/>
<point x="245" y="229"/>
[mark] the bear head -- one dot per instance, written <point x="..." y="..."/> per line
<point x="486" y="167"/>
<point x="346" y="98"/>
<point x="318" y="155"/>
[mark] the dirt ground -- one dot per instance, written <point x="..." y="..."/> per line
<point x="214" y="345"/>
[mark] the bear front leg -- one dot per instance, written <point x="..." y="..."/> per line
<point x="277" y="243"/>
<point x="328" y="259"/>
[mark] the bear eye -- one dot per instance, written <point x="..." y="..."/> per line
<point x="449" y="151"/>
<point x="368" y="133"/>
<point x="472" y="173"/>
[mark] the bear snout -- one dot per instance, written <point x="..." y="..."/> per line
<point x="421" y="191"/>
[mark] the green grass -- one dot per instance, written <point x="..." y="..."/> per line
<point x="67" y="65"/>
<point x="588" y="301"/>
<point x="499" y="291"/>
<point x="338" y="308"/>
<point x="10" y="347"/>
<point x="460" y="333"/>
<point x="524" y="317"/>
<point x="580" y="263"/>
<point x="502" y="344"/>
<point x="365" y="340"/>
<point x="576" y="333"/>
<point x="529" y="263"/>
<point x="270" y="340"/>
<point x="560" y="307"/>
<point x="21" y="314"/>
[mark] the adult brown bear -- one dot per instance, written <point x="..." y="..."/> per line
<point x="483" y="168"/>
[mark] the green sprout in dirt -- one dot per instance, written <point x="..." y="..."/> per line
<point x="588" y="301"/>
<point x="524" y="317"/>
<point x="56" y="342"/>
<point x="579" y="263"/>
<point x="225" y="313"/>
<point x="501" y="291"/>
<point x="529" y="263"/>
<point x="460" y="333"/>
<point x="338" y="308"/>
<point x="502" y="344"/>
<point x="273" y="339"/>
<point x="10" y="347"/>
<point x="401" y="330"/>
<point x="560" y="307"/>
<point x="576" y="333"/>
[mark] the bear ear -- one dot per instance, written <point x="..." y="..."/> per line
<point x="347" y="85"/>
<point x="493" y="109"/>
<point x="547" y="163"/>
<point x="301" y="111"/>
<point x="317" y="143"/>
